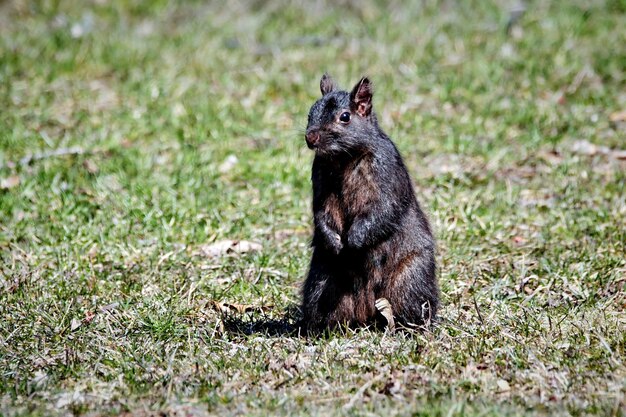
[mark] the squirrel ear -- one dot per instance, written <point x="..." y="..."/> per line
<point x="361" y="97"/>
<point x="327" y="84"/>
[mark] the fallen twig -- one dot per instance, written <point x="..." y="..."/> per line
<point x="361" y="391"/>
<point x="75" y="150"/>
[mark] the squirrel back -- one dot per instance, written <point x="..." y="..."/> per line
<point x="371" y="238"/>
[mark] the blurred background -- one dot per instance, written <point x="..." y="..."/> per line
<point x="157" y="96"/>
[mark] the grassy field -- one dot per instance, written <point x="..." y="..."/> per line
<point x="134" y="135"/>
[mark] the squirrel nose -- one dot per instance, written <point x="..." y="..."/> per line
<point x="312" y="138"/>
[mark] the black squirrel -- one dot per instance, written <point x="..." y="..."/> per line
<point x="371" y="238"/>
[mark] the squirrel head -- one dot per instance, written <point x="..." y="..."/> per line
<point x="340" y="121"/>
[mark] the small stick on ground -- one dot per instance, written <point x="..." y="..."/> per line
<point x="480" y="316"/>
<point x="75" y="150"/>
<point x="361" y="391"/>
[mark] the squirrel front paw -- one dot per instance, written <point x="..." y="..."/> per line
<point x="334" y="242"/>
<point x="355" y="238"/>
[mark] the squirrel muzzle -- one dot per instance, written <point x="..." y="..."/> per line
<point x="312" y="138"/>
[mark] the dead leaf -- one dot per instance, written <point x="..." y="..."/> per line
<point x="285" y="234"/>
<point x="68" y="398"/>
<point x="40" y="379"/>
<point x="618" y="116"/>
<point x="109" y="307"/>
<point x="393" y="388"/>
<point x="585" y="147"/>
<point x="149" y="290"/>
<point x="104" y="97"/>
<point x="552" y="157"/>
<point x="446" y="164"/>
<point x="238" y="308"/>
<point x="10" y="182"/>
<point x="178" y="110"/>
<point x="538" y="198"/>
<point x="223" y="247"/>
<point x="383" y="306"/>
<point x="75" y="324"/>
<point x="93" y="252"/>
<point x="619" y="154"/>
<point x="90" y="166"/>
<point x="503" y="386"/>
<point x="89" y="316"/>
<point x="228" y="164"/>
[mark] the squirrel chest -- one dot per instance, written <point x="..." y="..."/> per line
<point x="351" y="190"/>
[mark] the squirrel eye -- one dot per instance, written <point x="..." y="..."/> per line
<point x="345" y="117"/>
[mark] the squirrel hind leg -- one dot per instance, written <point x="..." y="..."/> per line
<point x="413" y="292"/>
<point x="320" y="296"/>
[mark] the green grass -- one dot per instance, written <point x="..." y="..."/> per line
<point x="106" y="303"/>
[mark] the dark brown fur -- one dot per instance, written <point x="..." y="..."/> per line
<point x="371" y="237"/>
